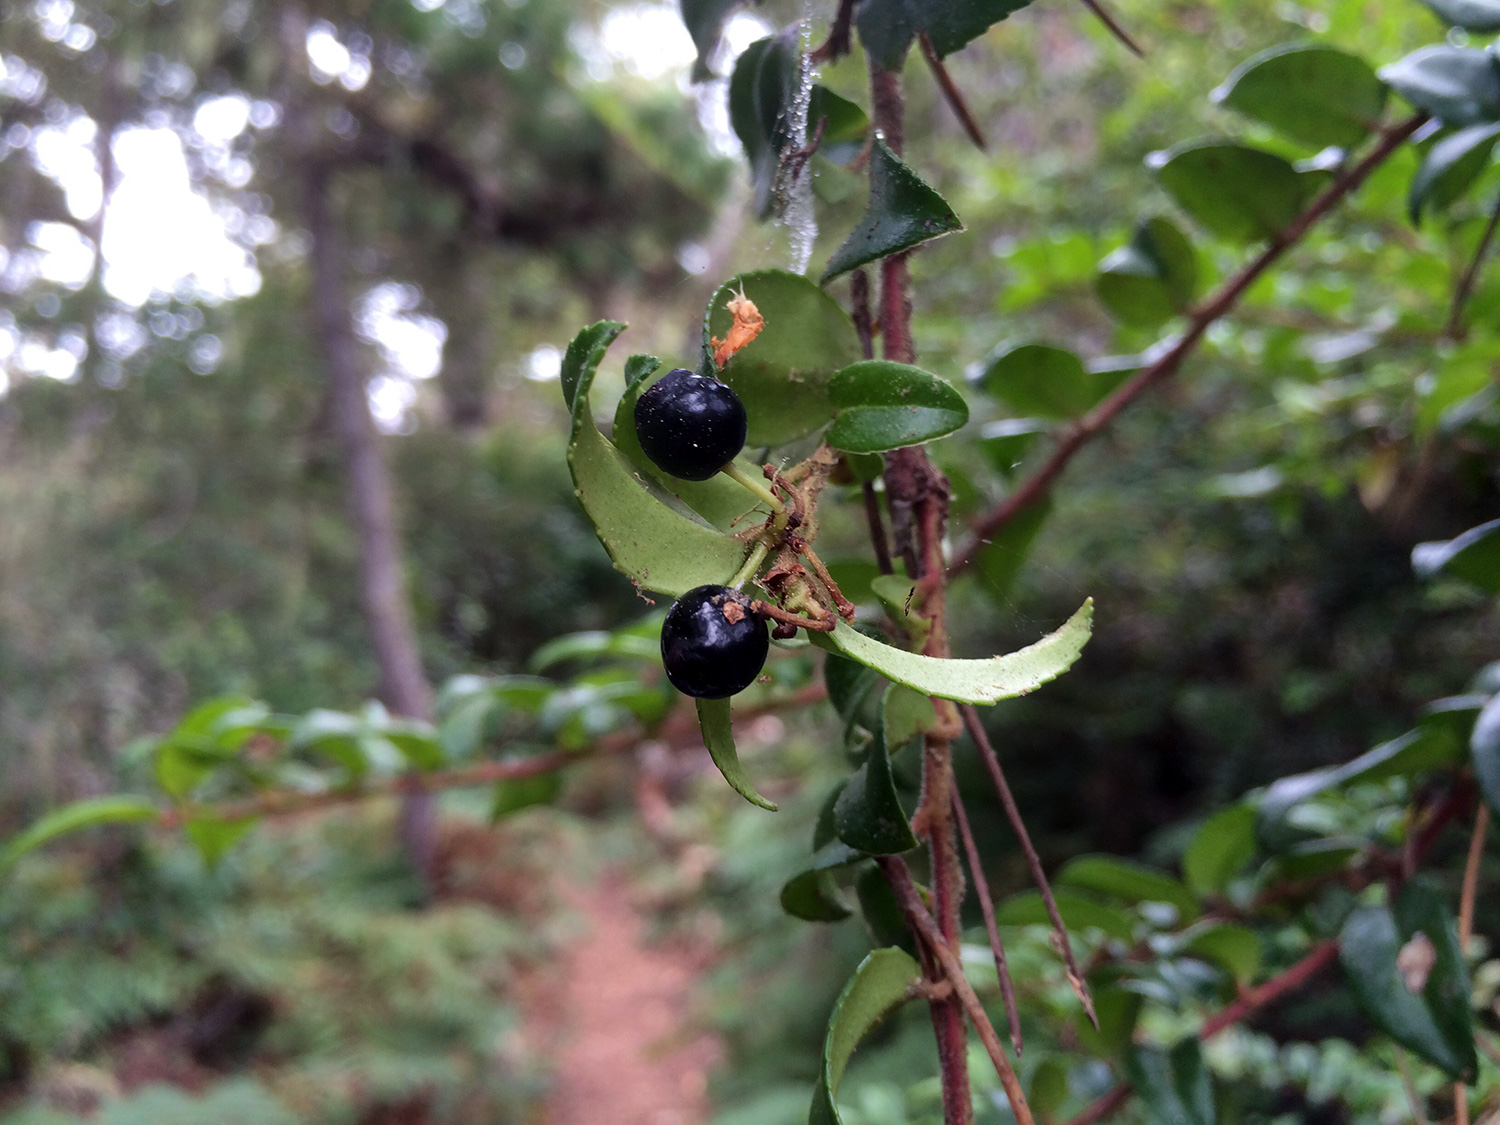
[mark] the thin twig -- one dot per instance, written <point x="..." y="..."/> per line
<point x="859" y="311"/>
<point x="877" y="529"/>
<point x="1086" y="428"/>
<point x="987" y="907"/>
<point x="1409" y="1085"/>
<point x="1114" y="27"/>
<point x="1466" y="907"/>
<point x="1454" y="328"/>
<point x="910" y="902"/>
<point x="1033" y="861"/>
<point x="836" y="46"/>
<point x="951" y="93"/>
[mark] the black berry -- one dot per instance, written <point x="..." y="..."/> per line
<point x="712" y="643"/>
<point x="690" y="426"/>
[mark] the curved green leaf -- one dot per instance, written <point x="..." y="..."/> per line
<point x="761" y="91"/>
<point x="883" y="405"/>
<point x="1473" y="556"/>
<point x="885" y="980"/>
<point x="868" y="814"/>
<point x="1220" y="849"/>
<point x="1309" y="92"/>
<point x="1234" y="947"/>
<point x="656" y="546"/>
<point x="1173" y="1086"/>
<point x="782" y="375"/>
<point x="1128" y="880"/>
<point x="845" y="126"/>
<point x="887" y="27"/>
<point x="881" y="912"/>
<point x="1152" y="278"/>
<point x="213" y="836"/>
<point x="1430" y="1017"/>
<point x="1484" y="745"/>
<point x="1235" y="191"/>
<point x="705" y="20"/>
<point x="72" y="818"/>
<point x="969" y="681"/>
<point x="1041" y="380"/>
<point x="812" y="895"/>
<point x="593" y="643"/>
<point x="718" y="736"/>
<point x="1457" y="85"/>
<point x="1471" y="15"/>
<point x="904" y="212"/>
<point x="1450" y="168"/>
<point x="1079" y="912"/>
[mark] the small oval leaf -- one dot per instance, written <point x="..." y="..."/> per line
<point x="1457" y="85"/>
<point x="1235" y="191"/>
<point x="1309" y="92"/>
<point x="883" y="405"/>
<point x="1450" y="168"/>
<point x="1473" y="556"/>
<point x="1152" y="278"/>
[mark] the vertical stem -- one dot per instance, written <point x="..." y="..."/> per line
<point x="917" y="495"/>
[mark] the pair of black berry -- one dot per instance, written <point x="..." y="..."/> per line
<point x="690" y="425"/>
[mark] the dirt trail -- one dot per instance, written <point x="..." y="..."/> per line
<point x="617" y="1018"/>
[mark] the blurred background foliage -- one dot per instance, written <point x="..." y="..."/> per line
<point x="173" y="526"/>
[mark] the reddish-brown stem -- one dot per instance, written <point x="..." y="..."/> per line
<point x="1454" y="329"/>
<point x="987" y="906"/>
<point x="1114" y="28"/>
<point x="877" y="529"/>
<point x="951" y="93"/>
<point x="1086" y="428"/>
<point x="859" y="312"/>
<point x="836" y="46"/>
<point x="1033" y="861"/>
<point x="1252" y="1001"/>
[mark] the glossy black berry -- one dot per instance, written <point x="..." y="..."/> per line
<point x="712" y="644"/>
<point x="690" y="426"/>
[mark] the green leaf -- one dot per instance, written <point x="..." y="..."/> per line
<point x="594" y="643"/>
<point x="1473" y="556"/>
<point x="846" y="124"/>
<point x="1237" y="192"/>
<point x="885" y="980"/>
<point x="1038" y="379"/>
<point x="1006" y="441"/>
<point x="883" y="405"/>
<point x="1220" y="849"/>
<point x="1049" y="1087"/>
<point x="868" y="815"/>
<point x="1118" y="1010"/>
<point x="334" y="734"/>
<point x="705" y="20"/>
<point x="904" y="212"/>
<point x="1079" y="912"/>
<point x="1450" y="168"/>
<point x="761" y="91"/>
<point x="213" y="836"/>
<point x="1174" y="1087"/>
<point x="887" y="27"/>
<point x="1001" y="560"/>
<point x="905" y="714"/>
<point x="1484" y="745"/>
<point x="1430" y="1017"/>
<point x="969" y="681"/>
<point x="1312" y="93"/>
<point x="417" y="742"/>
<point x="654" y="545"/>
<point x="514" y="794"/>
<point x="87" y="813"/>
<point x="812" y="895"/>
<point x="782" y="376"/>
<point x="1127" y="880"/>
<point x="718" y="736"/>
<point x="882" y="915"/>
<point x="1152" y="278"/>
<point x="1457" y="85"/>
<point x="1471" y="15"/>
<point x="1236" y="948"/>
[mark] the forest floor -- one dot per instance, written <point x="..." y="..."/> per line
<point x="614" y="1015"/>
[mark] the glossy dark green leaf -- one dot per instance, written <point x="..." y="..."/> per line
<point x="1450" y="168"/>
<point x="1038" y="379"/>
<point x="868" y="815"/>
<point x="885" y="980"/>
<point x="1309" y="92"/>
<point x="1127" y="880"/>
<point x="1235" y="948"/>
<point x="1473" y="556"/>
<point x="88" y="813"/>
<point x="1471" y="15"/>
<point x="1152" y="278"/>
<point x="1430" y="1017"/>
<point x="888" y="27"/>
<point x="705" y="20"/>
<point x="904" y="212"/>
<point x="1001" y="559"/>
<point x="1079" y="913"/>
<point x="845" y="128"/>
<point x="718" y="736"/>
<point x="1173" y="1086"/>
<point x="812" y="894"/>
<point x="213" y="836"/>
<point x="882" y="915"/>
<point x="882" y="405"/>
<point x="1484" y="745"/>
<point x="1457" y="85"/>
<point x="969" y="681"/>
<point x="782" y="376"/>
<point x="1219" y="850"/>
<point x="1005" y="442"/>
<point x="653" y="544"/>
<point x="1237" y="192"/>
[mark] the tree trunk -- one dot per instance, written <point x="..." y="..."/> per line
<point x="403" y="685"/>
